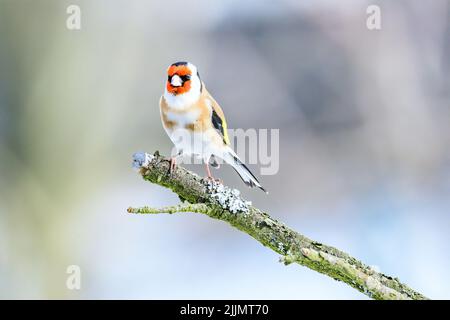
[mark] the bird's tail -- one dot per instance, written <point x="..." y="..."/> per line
<point x="246" y="175"/>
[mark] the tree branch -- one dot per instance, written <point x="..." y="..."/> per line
<point x="220" y="202"/>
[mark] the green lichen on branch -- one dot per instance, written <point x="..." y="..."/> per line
<point x="224" y="204"/>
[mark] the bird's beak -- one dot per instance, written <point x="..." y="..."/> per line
<point x="176" y="81"/>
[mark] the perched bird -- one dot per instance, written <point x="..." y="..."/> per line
<point x="195" y="122"/>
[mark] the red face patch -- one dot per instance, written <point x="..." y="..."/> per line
<point x="180" y="70"/>
<point x="179" y="90"/>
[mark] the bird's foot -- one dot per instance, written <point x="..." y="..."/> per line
<point x="172" y="165"/>
<point x="211" y="178"/>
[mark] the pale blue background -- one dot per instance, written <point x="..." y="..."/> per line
<point x="364" y="144"/>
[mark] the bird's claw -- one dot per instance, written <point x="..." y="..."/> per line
<point x="172" y="165"/>
<point x="214" y="179"/>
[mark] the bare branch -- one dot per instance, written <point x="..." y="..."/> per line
<point x="222" y="203"/>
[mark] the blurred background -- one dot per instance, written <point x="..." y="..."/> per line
<point x="364" y="144"/>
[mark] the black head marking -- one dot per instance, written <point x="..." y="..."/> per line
<point x="201" y="83"/>
<point x="179" y="63"/>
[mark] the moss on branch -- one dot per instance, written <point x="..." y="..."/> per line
<point x="222" y="203"/>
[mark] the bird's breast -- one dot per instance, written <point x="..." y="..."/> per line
<point x="183" y="120"/>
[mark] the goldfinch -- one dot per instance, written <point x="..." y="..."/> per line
<point x="195" y="122"/>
